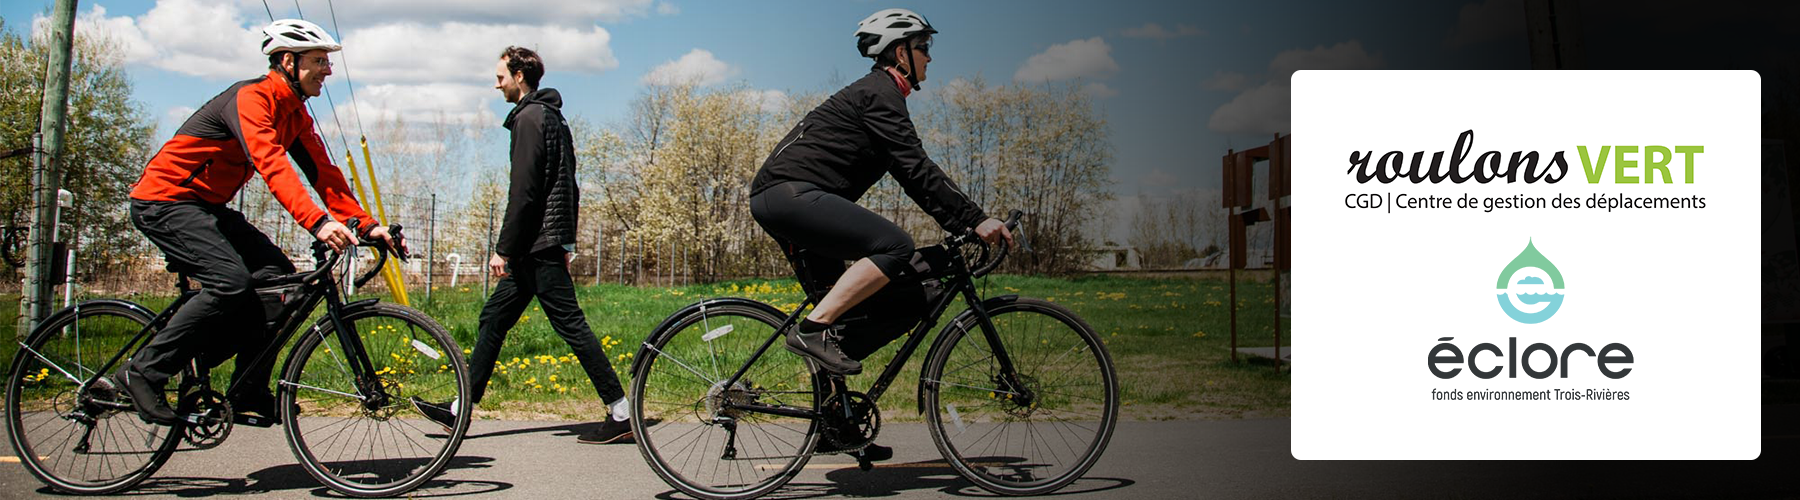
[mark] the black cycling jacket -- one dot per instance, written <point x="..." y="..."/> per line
<point x="846" y="144"/>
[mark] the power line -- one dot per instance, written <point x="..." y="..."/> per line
<point x="354" y="109"/>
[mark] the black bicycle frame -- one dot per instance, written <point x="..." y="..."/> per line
<point x="322" y="287"/>
<point x="963" y="284"/>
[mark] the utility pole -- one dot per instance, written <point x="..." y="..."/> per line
<point x="46" y="172"/>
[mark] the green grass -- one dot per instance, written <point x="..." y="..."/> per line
<point x="1169" y="339"/>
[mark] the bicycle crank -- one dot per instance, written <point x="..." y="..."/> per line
<point x="207" y="417"/>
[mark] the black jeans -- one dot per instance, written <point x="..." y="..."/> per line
<point x="215" y="246"/>
<point x="543" y="275"/>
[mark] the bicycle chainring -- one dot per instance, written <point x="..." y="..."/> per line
<point x="850" y="432"/>
<point x="208" y="417"/>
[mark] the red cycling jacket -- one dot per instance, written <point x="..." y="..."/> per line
<point x="255" y="123"/>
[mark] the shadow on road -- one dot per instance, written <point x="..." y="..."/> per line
<point x="293" y="477"/>
<point x="893" y="479"/>
<point x="571" y="429"/>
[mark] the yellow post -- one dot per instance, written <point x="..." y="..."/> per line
<point x="350" y="161"/>
<point x="395" y="280"/>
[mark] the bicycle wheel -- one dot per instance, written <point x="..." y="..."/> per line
<point x="683" y="430"/>
<point x="1029" y="434"/>
<point x="82" y="441"/>
<point x="364" y="445"/>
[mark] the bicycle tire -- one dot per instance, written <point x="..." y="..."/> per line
<point x="38" y="395"/>
<point x="1079" y="414"/>
<point x="670" y="390"/>
<point x="315" y="380"/>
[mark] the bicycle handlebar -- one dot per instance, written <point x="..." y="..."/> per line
<point x="381" y="253"/>
<point x="989" y="264"/>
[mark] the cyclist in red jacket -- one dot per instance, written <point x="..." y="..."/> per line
<point x="180" y="205"/>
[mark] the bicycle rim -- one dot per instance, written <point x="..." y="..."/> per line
<point x="373" y="449"/>
<point x="683" y="430"/>
<point x="49" y="420"/>
<point x="1033" y="433"/>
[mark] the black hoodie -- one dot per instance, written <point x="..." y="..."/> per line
<point x="544" y="201"/>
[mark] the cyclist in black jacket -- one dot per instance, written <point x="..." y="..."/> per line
<point x="804" y="195"/>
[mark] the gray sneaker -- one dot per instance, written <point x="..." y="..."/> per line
<point x="822" y="347"/>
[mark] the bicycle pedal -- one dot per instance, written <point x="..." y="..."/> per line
<point x="865" y="465"/>
<point x="253" y="420"/>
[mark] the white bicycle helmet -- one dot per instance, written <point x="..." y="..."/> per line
<point x="298" y="36"/>
<point x="881" y="29"/>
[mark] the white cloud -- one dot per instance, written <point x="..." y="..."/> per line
<point x="1077" y="59"/>
<point x="769" y="101"/>
<point x="178" y="114"/>
<point x="1099" y="90"/>
<point x="183" y="36"/>
<point x="128" y="42"/>
<point x="172" y="119"/>
<point x="1158" y="32"/>
<point x="1487" y="21"/>
<point x="698" y="67"/>
<point x="1345" y="55"/>
<point x="1226" y="80"/>
<point x="462" y="52"/>
<point x="667" y="9"/>
<point x="542" y="12"/>
<point x="421" y="103"/>
<point x="219" y="41"/>
<point x="1261" y="110"/>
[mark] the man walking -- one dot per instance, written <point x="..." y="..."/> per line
<point x="531" y="257"/>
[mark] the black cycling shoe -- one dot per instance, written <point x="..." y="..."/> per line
<point x="151" y="407"/>
<point x="255" y="409"/>
<point x="822" y="347"/>
<point x="874" y="453"/>
<point x="438" y="413"/>
<point x="608" y="432"/>
<point x="871" y="453"/>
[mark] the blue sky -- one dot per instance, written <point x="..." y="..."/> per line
<point x="1182" y="81"/>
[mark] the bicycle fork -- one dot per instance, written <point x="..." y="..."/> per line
<point x="1008" y="379"/>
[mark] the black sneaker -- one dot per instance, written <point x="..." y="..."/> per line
<point x="436" y="412"/>
<point x="148" y="399"/>
<point x="822" y="347"/>
<point x="608" y="432"/>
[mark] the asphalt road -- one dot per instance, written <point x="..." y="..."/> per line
<point x="1177" y="459"/>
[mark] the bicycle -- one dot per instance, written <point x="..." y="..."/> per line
<point x="78" y="433"/>
<point x="1025" y="406"/>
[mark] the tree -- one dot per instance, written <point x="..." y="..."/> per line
<point x="107" y="141"/>
<point x="1042" y="149"/>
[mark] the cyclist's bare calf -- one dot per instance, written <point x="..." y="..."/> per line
<point x="858" y="283"/>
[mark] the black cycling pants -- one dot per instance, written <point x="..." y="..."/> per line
<point x="828" y="225"/>
<point x="215" y="246"/>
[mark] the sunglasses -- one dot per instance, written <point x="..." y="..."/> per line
<point x="923" y="46"/>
